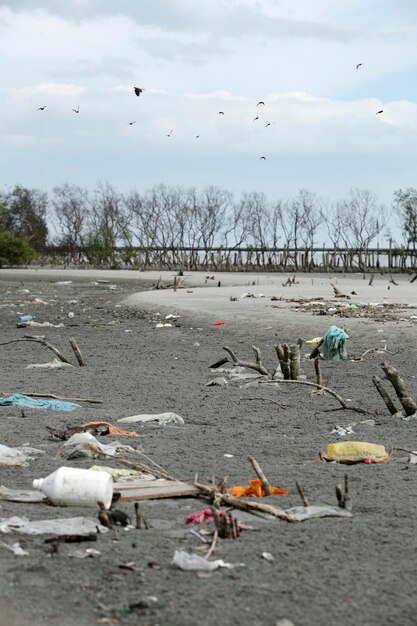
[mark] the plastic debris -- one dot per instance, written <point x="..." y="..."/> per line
<point x="54" y="364"/>
<point x="72" y="486"/>
<point x="85" y="554"/>
<point x="217" y="382"/>
<point x="302" y="513"/>
<point x="16" y="548"/>
<point x="355" y="452"/>
<point x="193" y="562"/>
<point x="21" y="495"/>
<point x="25" y="318"/>
<point x="85" y="445"/>
<point x="112" y="430"/>
<point x="218" y="323"/>
<point x="161" y="418"/>
<point x="74" y="526"/>
<point x="267" y="556"/>
<point x="314" y="342"/>
<point x="334" y="344"/>
<point x="342" y="431"/>
<point x="17" y="457"/>
<point x="33" y="324"/>
<point x="17" y="399"/>
<point x="117" y="473"/>
<point x="254" y="488"/>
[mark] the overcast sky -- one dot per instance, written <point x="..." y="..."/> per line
<point x="194" y="58"/>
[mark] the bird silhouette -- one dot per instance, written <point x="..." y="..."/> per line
<point x="359" y="65"/>
<point x="197" y="136"/>
<point x="138" y="90"/>
<point x="170" y="133"/>
<point x="262" y="158"/>
<point x="255" y="118"/>
<point x="378" y="112"/>
<point x="260" y="102"/>
<point x="77" y="110"/>
<point x="269" y="124"/>
<point x="131" y="123"/>
<point x="221" y="112"/>
<point x="42" y="108"/>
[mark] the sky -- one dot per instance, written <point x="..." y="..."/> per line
<point x="318" y="129"/>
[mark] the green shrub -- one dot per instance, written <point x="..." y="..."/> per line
<point x="14" y="250"/>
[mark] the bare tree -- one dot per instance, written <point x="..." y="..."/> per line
<point x="71" y="205"/>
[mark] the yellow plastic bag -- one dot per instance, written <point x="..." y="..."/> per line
<point x="355" y="452"/>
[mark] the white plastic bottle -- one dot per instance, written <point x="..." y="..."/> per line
<point x="70" y="486"/>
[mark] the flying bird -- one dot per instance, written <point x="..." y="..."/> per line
<point x="131" y="123"/>
<point x="262" y="158"/>
<point x="197" y="136"/>
<point x="378" y="112"/>
<point x="138" y="90"/>
<point x="255" y="118"/>
<point x="221" y="112"/>
<point x="260" y="102"/>
<point x="359" y="65"/>
<point x="77" y="110"/>
<point x="269" y="124"/>
<point x="42" y="108"/>
<point x="170" y="133"/>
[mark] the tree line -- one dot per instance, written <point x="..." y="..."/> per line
<point x="105" y="227"/>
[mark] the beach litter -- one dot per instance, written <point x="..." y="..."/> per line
<point x="72" y="526"/>
<point x="16" y="548"/>
<point x="161" y="418"/>
<point x="194" y="562"/>
<point x="54" y="364"/>
<point x="17" y="457"/>
<point x="18" y="399"/>
<point x="86" y="445"/>
<point x="255" y="488"/>
<point x="72" y="486"/>
<point x="351" y="452"/>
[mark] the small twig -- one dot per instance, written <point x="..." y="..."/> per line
<point x="45" y="343"/>
<point x="77" y="352"/>
<point x="260" y="475"/>
<point x="301" y="494"/>
<point x="213" y="544"/>
<point x="54" y="397"/>
<point x="341" y="400"/>
<point x="281" y="406"/>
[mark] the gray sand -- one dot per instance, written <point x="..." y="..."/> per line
<point x="328" y="571"/>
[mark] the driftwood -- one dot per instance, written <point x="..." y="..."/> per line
<point x="257" y="365"/>
<point x="371" y="280"/>
<point x="54" y="397"/>
<point x="77" y="352"/>
<point x="384" y="395"/>
<point x="301" y="494"/>
<point x="43" y="342"/>
<point x="338" y="293"/>
<point x="343" y="496"/>
<point x="282" y="351"/>
<point x="408" y="404"/>
<point x="282" y="354"/>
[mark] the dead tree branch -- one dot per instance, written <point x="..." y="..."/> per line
<point x="408" y="404"/>
<point x="257" y="365"/>
<point x="43" y="342"/>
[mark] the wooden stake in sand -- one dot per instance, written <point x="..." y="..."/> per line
<point x="408" y="404"/>
<point x="260" y="475"/>
<point x="384" y="395"/>
<point x="77" y="352"/>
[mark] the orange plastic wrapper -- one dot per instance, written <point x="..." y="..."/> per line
<point x="113" y="430"/>
<point x="253" y="489"/>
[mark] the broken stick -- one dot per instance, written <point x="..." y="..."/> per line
<point x="77" y="352"/>
<point x="260" y="475"/>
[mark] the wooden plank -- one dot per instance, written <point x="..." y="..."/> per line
<point x="152" y="490"/>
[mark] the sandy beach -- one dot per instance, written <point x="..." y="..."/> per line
<point x="356" y="570"/>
